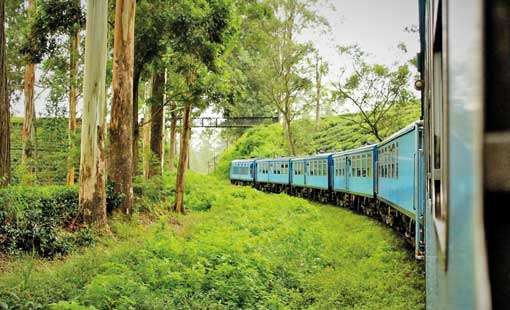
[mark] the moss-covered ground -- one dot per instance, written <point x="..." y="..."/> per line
<point x="236" y="248"/>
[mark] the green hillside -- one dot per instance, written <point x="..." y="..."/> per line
<point x="335" y="133"/>
<point x="51" y="150"/>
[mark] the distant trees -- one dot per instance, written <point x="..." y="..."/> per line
<point x="121" y="133"/>
<point x="284" y="68"/>
<point x="74" y="50"/>
<point x="373" y="89"/>
<point x="28" y="131"/>
<point x="157" y="109"/>
<point x="200" y="34"/>
<point x="92" y="161"/>
<point x="320" y="70"/>
<point x="49" y="21"/>
<point x="5" y="114"/>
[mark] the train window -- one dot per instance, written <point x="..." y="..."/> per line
<point x="396" y="161"/>
<point x="353" y="163"/>
<point x="363" y="166"/>
<point x="358" y="165"/>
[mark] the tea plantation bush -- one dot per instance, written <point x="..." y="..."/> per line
<point x="249" y="250"/>
<point x="43" y="220"/>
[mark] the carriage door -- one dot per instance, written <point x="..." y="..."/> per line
<point x="348" y="171"/>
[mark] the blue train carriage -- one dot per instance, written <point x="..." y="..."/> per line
<point x="242" y="171"/>
<point x="400" y="183"/>
<point x="311" y="176"/>
<point x="354" y="178"/>
<point x="273" y="174"/>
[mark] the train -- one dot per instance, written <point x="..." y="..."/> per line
<point x="383" y="180"/>
<point x="444" y="181"/>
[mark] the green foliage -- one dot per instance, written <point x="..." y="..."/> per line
<point x="249" y="251"/>
<point x="44" y="220"/>
<point x="33" y="219"/>
<point x="374" y="90"/>
<point x="258" y="142"/>
<point x="53" y="19"/>
<point x="51" y="152"/>
<point x="335" y="133"/>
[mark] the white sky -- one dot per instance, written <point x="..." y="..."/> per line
<point x="377" y="26"/>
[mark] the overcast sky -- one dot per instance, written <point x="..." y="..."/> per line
<point x="377" y="26"/>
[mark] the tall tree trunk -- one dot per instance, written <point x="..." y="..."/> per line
<point x="136" y="124"/>
<point x="92" y="160"/>
<point x="183" y="160"/>
<point x="290" y="138"/>
<point x="146" y="144"/>
<point x="157" y="120"/>
<point x="173" y="133"/>
<point x="28" y="130"/>
<point x="73" y="99"/>
<point x="121" y="127"/>
<point x="318" y="104"/>
<point x="318" y="86"/>
<point x="189" y="147"/>
<point x="5" y="114"/>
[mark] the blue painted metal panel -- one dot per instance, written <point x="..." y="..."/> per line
<point x="396" y="170"/>
<point x="242" y="170"/>
<point x="279" y="171"/>
<point x="356" y="171"/>
<point x="262" y="173"/>
<point x="340" y="172"/>
<point x="298" y="172"/>
<point x="317" y="171"/>
<point x="457" y="277"/>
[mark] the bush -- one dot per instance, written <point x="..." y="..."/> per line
<point x="32" y="219"/>
<point x="42" y="220"/>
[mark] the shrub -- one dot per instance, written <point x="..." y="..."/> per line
<point x="43" y="220"/>
<point x="32" y="218"/>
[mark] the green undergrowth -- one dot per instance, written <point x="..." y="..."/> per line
<point x="335" y="133"/>
<point x="236" y="248"/>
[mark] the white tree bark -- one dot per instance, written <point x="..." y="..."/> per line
<point x="92" y="159"/>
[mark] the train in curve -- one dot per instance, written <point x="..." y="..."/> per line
<point x="444" y="181"/>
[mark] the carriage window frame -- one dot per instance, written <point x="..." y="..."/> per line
<point x="438" y="153"/>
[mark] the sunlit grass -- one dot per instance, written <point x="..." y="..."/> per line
<point x="249" y="250"/>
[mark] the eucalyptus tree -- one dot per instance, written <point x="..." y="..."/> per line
<point x="284" y="70"/>
<point x="5" y="136"/>
<point x="200" y="32"/>
<point x="244" y="96"/>
<point x="121" y="126"/>
<point x="92" y="161"/>
<point x="373" y="90"/>
<point x="157" y="123"/>
<point x="151" y="42"/>
<point x="28" y="130"/>
<point x="320" y="69"/>
<point x="55" y="19"/>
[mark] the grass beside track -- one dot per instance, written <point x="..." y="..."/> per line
<point x="247" y="250"/>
